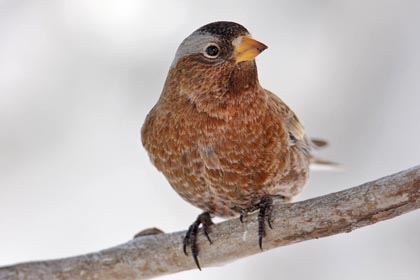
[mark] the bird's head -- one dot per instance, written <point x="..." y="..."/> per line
<point x="215" y="59"/>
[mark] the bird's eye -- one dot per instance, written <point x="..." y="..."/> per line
<point x="212" y="51"/>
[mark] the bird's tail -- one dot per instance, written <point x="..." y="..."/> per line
<point x="321" y="164"/>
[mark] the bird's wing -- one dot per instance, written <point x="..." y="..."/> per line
<point x="293" y="125"/>
<point x="298" y="138"/>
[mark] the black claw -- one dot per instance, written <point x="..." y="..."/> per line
<point x="191" y="235"/>
<point x="196" y="262"/>
<point x="188" y="237"/>
<point x="206" y="233"/>
<point x="243" y="214"/>
<point x="269" y="223"/>
<point x="194" y="248"/>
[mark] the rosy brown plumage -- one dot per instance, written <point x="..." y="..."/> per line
<point x="222" y="141"/>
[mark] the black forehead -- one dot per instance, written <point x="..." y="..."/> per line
<point x="226" y="29"/>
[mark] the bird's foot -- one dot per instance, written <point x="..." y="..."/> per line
<point x="265" y="207"/>
<point x="190" y="238"/>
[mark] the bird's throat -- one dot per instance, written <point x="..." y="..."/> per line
<point x="244" y="78"/>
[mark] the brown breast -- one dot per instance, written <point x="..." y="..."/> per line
<point x="223" y="164"/>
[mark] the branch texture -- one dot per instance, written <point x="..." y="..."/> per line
<point x="159" y="254"/>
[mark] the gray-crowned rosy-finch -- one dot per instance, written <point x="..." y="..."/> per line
<point x="225" y="144"/>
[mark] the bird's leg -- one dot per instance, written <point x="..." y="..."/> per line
<point x="190" y="238"/>
<point x="266" y="208"/>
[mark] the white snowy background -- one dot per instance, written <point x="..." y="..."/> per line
<point x="77" y="79"/>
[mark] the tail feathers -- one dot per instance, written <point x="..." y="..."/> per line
<point x="324" y="165"/>
<point x="321" y="164"/>
<point x="318" y="143"/>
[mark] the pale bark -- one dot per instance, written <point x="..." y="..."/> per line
<point x="154" y="255"/>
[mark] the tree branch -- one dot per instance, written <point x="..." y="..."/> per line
<point x="159" y="254"/>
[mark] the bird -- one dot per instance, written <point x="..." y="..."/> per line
<point x="225" y="144"/>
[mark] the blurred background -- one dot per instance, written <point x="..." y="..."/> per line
<point x="77" y="79"/>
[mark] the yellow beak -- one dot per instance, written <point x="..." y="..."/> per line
<point x="246" y="48"/>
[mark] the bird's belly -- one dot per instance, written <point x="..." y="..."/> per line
<point x="224" y="183"/>
<point x="225" y="167"/>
